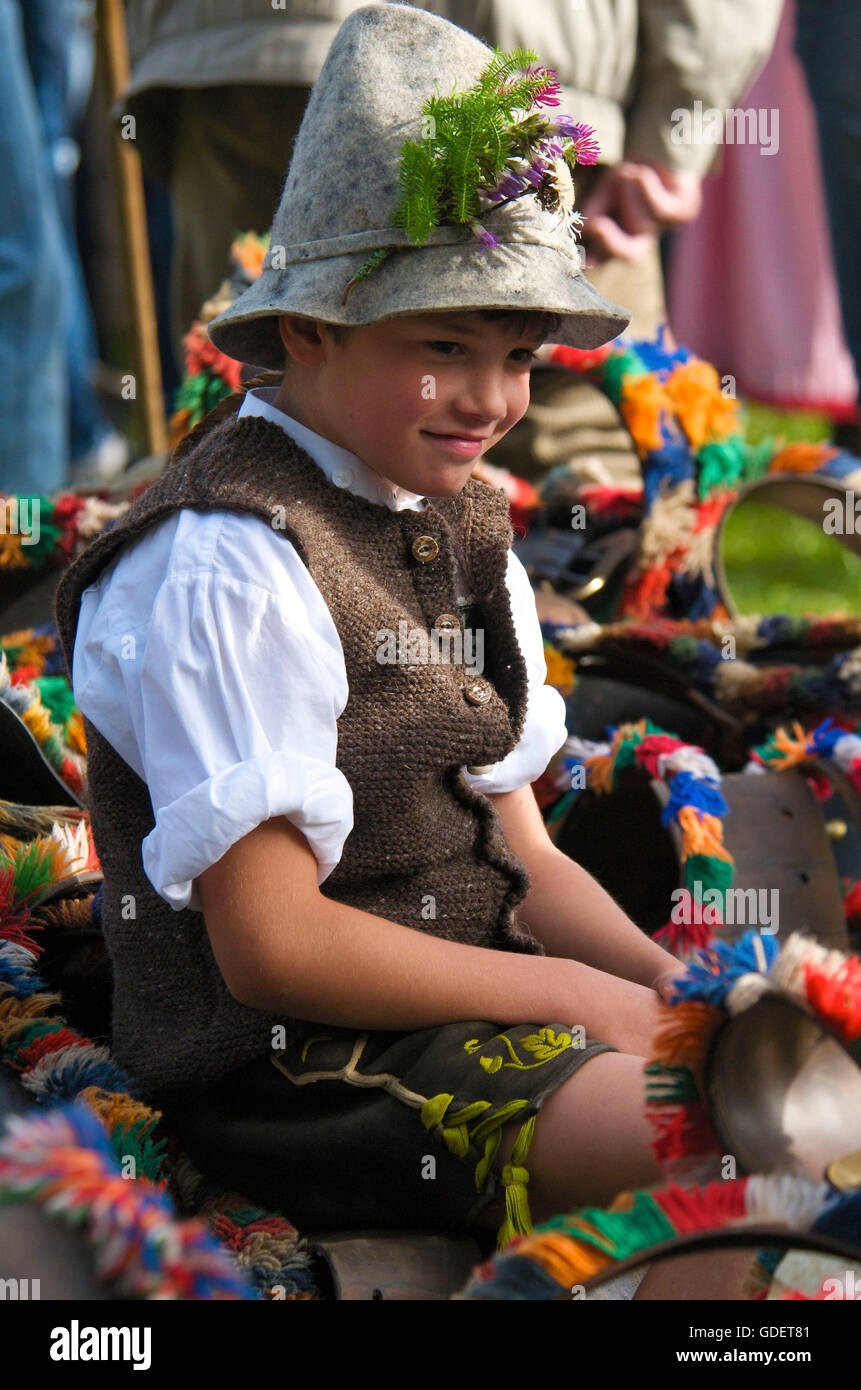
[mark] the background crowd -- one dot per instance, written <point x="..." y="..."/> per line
<point x="736" y="225"/>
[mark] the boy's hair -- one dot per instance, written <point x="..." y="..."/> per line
<point x="520" y="322"/>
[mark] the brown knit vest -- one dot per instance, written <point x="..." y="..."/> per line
<point x="426" y="850"/>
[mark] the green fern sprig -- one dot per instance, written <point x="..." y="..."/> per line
<point x="421" y="179"/>
<point x="375" y="259"/>
<point x="473" y="137"/>
<point x="504" y="65"/>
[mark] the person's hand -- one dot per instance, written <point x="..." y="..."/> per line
<point x="627" y="1016"/>
<point x="664" y="983"/>
<point x="632" y="203"/>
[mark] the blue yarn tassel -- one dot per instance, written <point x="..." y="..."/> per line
<point x="688" y="790"/>
<point x="713" y="972"/>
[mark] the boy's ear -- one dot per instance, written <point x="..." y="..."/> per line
<point x="302" y="338"/>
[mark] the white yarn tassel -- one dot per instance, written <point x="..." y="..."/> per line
<point x="688" y="759"/>
<point x="788" y="970"/>
<point x="747" y="990"/>
<point x="582" y="748"/>
<point x="789" y="1198"/>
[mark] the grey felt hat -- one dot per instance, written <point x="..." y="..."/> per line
<point x="342" y="189"/>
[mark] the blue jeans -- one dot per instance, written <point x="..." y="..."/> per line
<point x="828" y="42"/>
<point x="33" y="373"/>
<point x="50" y="29"/>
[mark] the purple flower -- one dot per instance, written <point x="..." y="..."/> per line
<point x="549" y="92"/>
<point x="536" y="171"/>
<point x="582" y="137"/>
<point x="509" y="186"/>
<point x="486" y="238"/>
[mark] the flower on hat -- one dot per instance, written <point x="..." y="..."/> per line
<point x="485" y="237"/>
<point x="479" y="153"/>
<point x="582" y="137"/>
<point x="548" y="94"/>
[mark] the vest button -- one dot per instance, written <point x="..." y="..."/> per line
<point x="477" y="771"/>
<point x="425" y="548"/>
<point x="447" y="622"/>
<point x="478" y="692"/>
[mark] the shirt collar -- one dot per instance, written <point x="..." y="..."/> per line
<point x="342" y="468"/>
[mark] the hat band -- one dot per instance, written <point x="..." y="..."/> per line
<point x="376" y="238"/>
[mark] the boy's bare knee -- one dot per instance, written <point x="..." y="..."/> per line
<point x="591" y="1140"/>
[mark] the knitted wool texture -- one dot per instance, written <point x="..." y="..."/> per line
<point x="406" y="730"/>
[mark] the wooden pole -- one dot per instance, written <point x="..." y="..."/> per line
<point x="113" y="42"/>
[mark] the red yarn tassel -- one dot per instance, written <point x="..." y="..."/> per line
<point x="699" y="1209"/>
<point x="836" y="996"/>
<point x="681" y="1131"/>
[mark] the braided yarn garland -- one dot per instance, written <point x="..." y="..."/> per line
<point x="695" y="807"/>
<point x="569" y="1250"/>
<point x="67" y="524"/>
<point x="65" y="1161"/>
<point x="706" y="653"/>
<point x="34" y="685"/>
<point x="70" y="1159"/>
<point x="694" y="459"/>
<point x="829" y="741"/>
<point x="563" y="1254"/>
<point x="724" y="979"/>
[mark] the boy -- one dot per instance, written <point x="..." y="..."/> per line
<point x="329" y="1052"/>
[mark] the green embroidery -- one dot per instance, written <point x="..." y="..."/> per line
<point x="488" y="1128"/>
<point x="479" y="1124"/>
<point x="544" y="1046"/>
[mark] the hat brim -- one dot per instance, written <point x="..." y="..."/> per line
<point x="510" y="276"/>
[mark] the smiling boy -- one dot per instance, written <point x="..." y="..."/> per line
<point x="399" y="396"/>
<point x="355" y="967"/>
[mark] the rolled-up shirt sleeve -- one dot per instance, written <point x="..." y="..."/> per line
<point x="238" y="708"/>
<point x="544" y="730"/>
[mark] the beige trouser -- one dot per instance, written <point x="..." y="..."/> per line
<point x="230" y="150"/>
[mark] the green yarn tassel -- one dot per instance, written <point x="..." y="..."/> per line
<point x="618" y="1234"/>
<point x="756" y="458"/>
<point x="32" y="870"/>
<point x="518" y="1221"/>
<point x="57" y="698"/>
<point x="667" y="1085"/>
<point x="147" y="1153"/>
<point x="720" y="465"/>
<point x="709" y="872"/>
<point x="618" y="367"/>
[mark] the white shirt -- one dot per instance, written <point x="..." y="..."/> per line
<point x="207" y="657"/>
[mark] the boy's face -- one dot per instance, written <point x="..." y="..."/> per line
<point x="417" y="398"/>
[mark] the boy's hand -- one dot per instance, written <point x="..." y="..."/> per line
<point x="666" y="981"/>
<point x="628" y="1015"/>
